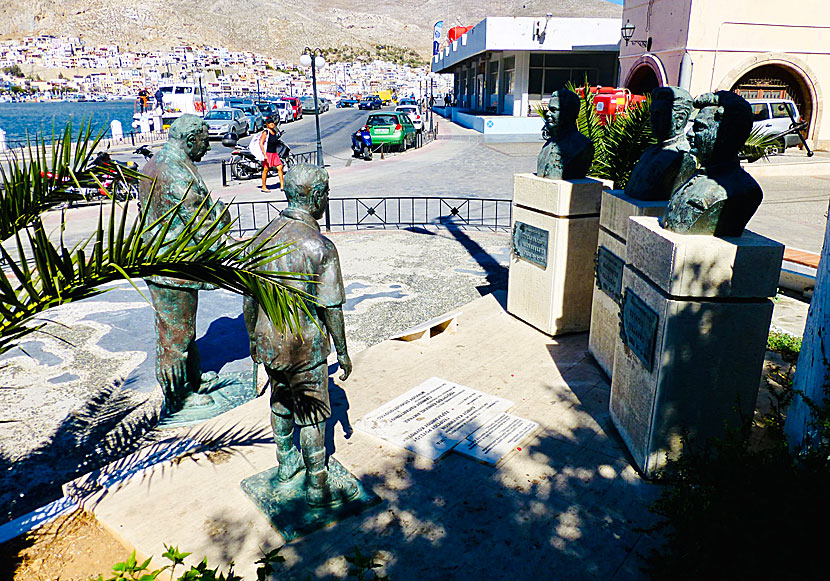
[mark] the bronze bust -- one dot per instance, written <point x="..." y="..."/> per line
<point x="567" y="154"/>
<point x="296" y="361"/>
<point x="664" y="167"/>
<point x="720" y="198"/>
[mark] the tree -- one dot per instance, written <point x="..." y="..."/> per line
<point x="43" y="274"/>
<point x="807" y="418"/>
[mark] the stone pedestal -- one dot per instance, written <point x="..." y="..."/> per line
<point x="555" y="227"/>
<point x="616" y="209"/>
<point x="695" y="318"/>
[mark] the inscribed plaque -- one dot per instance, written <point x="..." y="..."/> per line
<point x="530" y="243"/>
<point x="496" y="438"/>
<point x="433" y="417"/>
<point x="639" y="328"/>
<point x="609" y="273"/>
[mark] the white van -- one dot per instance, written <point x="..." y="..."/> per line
<point x="773" y="117"/>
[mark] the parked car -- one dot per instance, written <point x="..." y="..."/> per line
<point x="285" y="111"/>
<point x="414" y="115"/>
<point x="393" y="128"/>
<point x="308" y="104"/>
<point x="347" y="101"/>
<point x="776" y="116"/>
<point x="370" y="103"/>
<point x="267" y="108"/>
<point x="296" y="106"/>
<point x="226" y="120"/>
<point x="408" y="101"/>
<point x="256" y="120"/>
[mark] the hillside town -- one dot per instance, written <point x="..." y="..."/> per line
<point x="67" y="68"/>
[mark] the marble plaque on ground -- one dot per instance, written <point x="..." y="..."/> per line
<point x="433" y="417"/>
<point x="496" y="438"/>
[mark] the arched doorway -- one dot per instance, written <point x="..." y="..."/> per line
<point x="643" y="80"/>
<point x="776" y="81"/>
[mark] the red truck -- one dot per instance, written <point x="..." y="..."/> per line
<point x="611" y="101"/>
<point x="296" y="106"/>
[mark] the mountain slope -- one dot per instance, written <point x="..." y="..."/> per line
<point x="278" y="28"/>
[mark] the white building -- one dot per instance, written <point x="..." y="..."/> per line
<point x="504" y="66"/>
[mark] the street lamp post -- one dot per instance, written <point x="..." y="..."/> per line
<point x="199" y="76"/>
<point x="314" y="56"/>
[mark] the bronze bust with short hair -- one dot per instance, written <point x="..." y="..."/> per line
<point x="667" y="165"/>
<point x="720" y="198"/>
<point x="567" y="154"/>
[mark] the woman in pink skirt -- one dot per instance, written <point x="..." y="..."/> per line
<point x="268" y="141"/>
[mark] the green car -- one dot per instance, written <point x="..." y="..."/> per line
<point x="393" y="128"/>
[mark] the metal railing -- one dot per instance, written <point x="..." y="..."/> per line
<point x="387" y="213"/>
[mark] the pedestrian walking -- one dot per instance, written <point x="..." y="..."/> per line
<point x="269" y="142"/>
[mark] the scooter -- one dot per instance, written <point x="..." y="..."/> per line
<point x="362" y="144"/>
<point x="245" y="165"/>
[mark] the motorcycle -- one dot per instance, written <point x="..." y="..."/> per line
<point x="362" y="144"/>
<point x="114" y="182"/>
<point x="245" y="165"/>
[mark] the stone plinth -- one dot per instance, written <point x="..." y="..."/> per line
<point x="689" y="364"/>
<point x="555" y="227"/>
<point x="616" y="209"/>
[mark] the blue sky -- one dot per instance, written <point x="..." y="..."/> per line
<point x="615" y="1"/>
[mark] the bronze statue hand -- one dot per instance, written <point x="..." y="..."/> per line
<point x="345" y="365"/>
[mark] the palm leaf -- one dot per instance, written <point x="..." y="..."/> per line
<point x="625" y="138"/>
<point x="43" y="275"/>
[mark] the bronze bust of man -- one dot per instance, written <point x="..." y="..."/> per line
<point x="296" y="361"/>
<point x="174" y="179"/>
<point x="720" y="198"/>
<point x="664" y="167"/>
<point x="567" y="154"/>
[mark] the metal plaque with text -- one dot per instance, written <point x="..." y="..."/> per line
<point x="530" y="243"/>
<point x="609" y="273"/>
<point x="639" y="328"/>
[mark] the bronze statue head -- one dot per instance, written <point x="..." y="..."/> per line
<point x="670" y="110"/>
<point x="307" y="188"/>
<point x="190" y="132"/>
<point x="722" y="126"/>
<point x="561" y="114"/>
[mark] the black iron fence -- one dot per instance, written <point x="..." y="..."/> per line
<point x="386" y="213"/>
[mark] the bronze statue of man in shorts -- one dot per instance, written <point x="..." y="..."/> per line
<point x="295" y="360"/>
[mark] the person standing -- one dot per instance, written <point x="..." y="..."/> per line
<point x="269" y="142"/>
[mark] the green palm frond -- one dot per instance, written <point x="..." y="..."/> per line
<point x="44" y="276"/>
<point x="38" y="274"/>
<point x="625" y="138"/>
<point x="760" y="145"/>
<point x="44" y="176"/>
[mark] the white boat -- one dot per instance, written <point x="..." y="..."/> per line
<point x="181" y="98"/>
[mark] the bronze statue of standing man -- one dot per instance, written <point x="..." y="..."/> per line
<point x="296" y="360"/>
<point x="173" y="179"/>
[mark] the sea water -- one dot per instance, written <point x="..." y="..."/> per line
<point x="18" y="118"/>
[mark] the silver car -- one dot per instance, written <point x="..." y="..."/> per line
<point x="775" y="116"/>
<point x="226" y="120"/>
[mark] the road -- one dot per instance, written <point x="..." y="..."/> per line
<point x="336" y="128"/>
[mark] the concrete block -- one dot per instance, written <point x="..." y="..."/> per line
<point x="706" y="363"/>
<point x="605" y="318"/>
<point x="555" y="298"/>
<point x="617" y="208"/>
<point x="684" y="265"/>
<point x="557" y="197"/>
